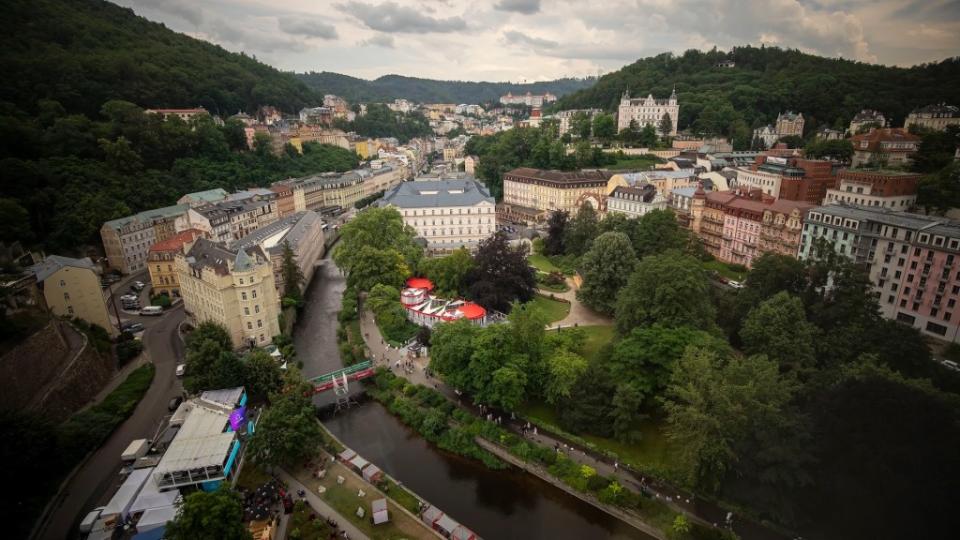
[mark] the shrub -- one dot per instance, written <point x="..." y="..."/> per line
<point x="127" y="350"/>
<point x="597" y="482"/>
<point x="161" y="300"/>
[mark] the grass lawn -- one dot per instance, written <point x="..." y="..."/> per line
<point x="251" y="477"/>
<point x="596" y="338"/>
<point x="724" y="270"/>
<point x="635" y="162"/>
<point x="343" y="498"/>
<point x="308" y="529"/>
<point x="542" y="263"/>
<point x="563" y="287"/>
<point x="555" y="310"/>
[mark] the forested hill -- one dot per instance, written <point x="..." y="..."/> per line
<point x="83" y="53"/>
<point x="767" y="80"/>
<point x="390" y="87"/>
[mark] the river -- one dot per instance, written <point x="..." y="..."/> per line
<point x="495" y="504"/>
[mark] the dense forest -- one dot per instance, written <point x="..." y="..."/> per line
<point x="83" y="53"/>
<point x="768" y="80"/>
<point x="390" y="87"/>
<point x="380" y="121"/>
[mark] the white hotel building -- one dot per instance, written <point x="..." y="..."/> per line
<point x="648" y="111"/>
<point x="447" y="214"/>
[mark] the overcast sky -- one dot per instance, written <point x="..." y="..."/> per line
<point x="516" y="40"/>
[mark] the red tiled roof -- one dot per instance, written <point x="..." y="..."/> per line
<point x="176" y="242"/>
<point x="877" y="136"/>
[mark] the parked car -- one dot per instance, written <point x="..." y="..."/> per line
<point x="735" y="284"/>
<point x="152" y="311"/>
<point x="138" y="286"/>
<point x="132" y="327"/>
<point x="950" y="364"/>
<point x="174" y="403"/>
<point x="181" y="369"/>
<point x="87" y="524"/>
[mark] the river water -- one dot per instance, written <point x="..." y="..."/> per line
<point x="495" y="504"/>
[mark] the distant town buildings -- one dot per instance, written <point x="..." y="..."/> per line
<point x="201" y="198"/>
<point x="329" y="191"/>
<point x="183" y="114"/>
<point x="232" y="287"/>
<point x="791" y="178"/>
<point x="565" y="117"/>
<point x="648" y="111"/>
<point x="936" y="117"/>
<point x="447" y="213"/>
<point x="884" y="146"/>
<point x="866" y="119"/>
<point x="71" y="288"/>
<point x="230" y="220"/>
<point x="911" y="259"/>
<point x="894" y="190"/>
<point x="766" y="135"/>
<point x="787" y="124"/>
<point x="528" y="99"/>
<point x="635" y="202"/>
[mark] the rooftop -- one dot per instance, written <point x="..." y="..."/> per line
<point x="585" y="175"/>
<point x="53" y="263"/>
<point x="206" y="253"/>
<point x="271" y="237"/>
<point x="885" y="215"/>
<point x="176" y="242"/>
<point x="435" y="193"/>
<point x="210" y="195"/>
<point x="732" y="199"/>
<point x="201" y="442"/>
<point x="148" y="216"/>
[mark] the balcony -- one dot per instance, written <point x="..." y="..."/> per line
<point x="712" y="219"/>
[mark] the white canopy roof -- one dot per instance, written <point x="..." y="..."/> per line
<point x="151" y="497"/>
<point x="123" y="498"/>
<point x="201" y="442"/>
<point x="156" y="517"/>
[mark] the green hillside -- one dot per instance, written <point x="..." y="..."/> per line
<point x="82" y="53"/>
<point x="768" y="80"/>
<point x="390" y="87"/>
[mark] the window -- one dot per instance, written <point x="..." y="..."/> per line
<point x="951" y="302"/>
<point x="66" y="296"/>
<point x="901" y="261"/>
<point x="243" y="296"/>
<point x="249" y="325"/>
<point x="246" y="311"/>
<point x="70" y="310"/>
<point x="253" y="293"/>
<point x="63" y="283"/>
<point x="903" y="317"/>
<point x="261" y="338"/>
<point x="890" y="299"/>
<point x="256" y="308"/>
<point x="259" y="323"/>
<point x="935" y="328"/>
<point x="947" y="315"/>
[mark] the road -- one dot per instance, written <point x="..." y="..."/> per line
<point x="90" y="487"/>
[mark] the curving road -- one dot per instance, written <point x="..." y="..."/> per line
<point x="91" y="485"/>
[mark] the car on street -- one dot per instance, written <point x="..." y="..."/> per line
<point x="735" y="284"/>
<point x="138" y="286"/>
<point x="132" y="327"/>
<point x="174" y="403"/>
<point x="181" y="369"/>
<point x="950" y="364"/>
<point x="152" y="311"/>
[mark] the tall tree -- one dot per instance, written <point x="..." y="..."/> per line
<point x="666" y="125"/>
<point x="778" y="328"/>
<point x="205" y="515"/>
<point x="604" y="127"/>
<point x="450" y="351"/>
<point x="261" y="375"/>
<point x="564" y="370"/>
<point x="669" y="289"/>
<point x="380" y="230"/>
<point x="449" y="273"/>
<point x="581" y="231"/>
<point x="288" y="431"/>
<point x="292" y="275"/>
<point x="556" y="232"/>
<point x="502" y="274"/>
<point x="658" y="231"/>
<point x="605" y="268"/>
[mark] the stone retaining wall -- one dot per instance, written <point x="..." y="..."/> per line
<point x="32" y="365"/>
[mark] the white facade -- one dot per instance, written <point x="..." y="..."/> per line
<point x="564" y="117"/>
<point x="630" y="202"/>
<point x="648" y="111"/>
<point x="860" y="194"/>
<point x="528" y="99"/>
<point x="767" y="182"/>
<point x="767" y="135"/>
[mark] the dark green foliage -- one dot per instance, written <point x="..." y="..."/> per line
<point x="391" y="317"/>
<point x="936" y="150"/>
<point x="556" y="233"/>
<point x="669" y="289"/>
<point x="770" y="80"/>
<point x="209" y="516"/>
<point x="128" y="349"/>
<point x="581" y="230"/>
<point x="390" y="87"/>
<point x="368" y="200"/>
<point x="292" y="275"/>
<point x="605" y="269"/>
<point x="211" y="362"/>
<point x="161" y="300"/>
<point x="501" y="275"/>
<point x="288" y="431"/>
<point x="380" y="121"/>
<point x="940" y="191"/>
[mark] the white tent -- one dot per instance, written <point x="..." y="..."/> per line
<point x="156" y="517"/>
<point x="379" y="510"/>
<point x="123" y="498"/>
<point x="359" y="463"/>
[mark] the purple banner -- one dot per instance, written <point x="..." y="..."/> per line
<point x="237" y="418"/>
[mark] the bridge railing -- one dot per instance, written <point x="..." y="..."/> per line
<point x="349" y="370"/>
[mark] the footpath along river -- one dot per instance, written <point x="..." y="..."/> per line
<point x="495" y="504"/>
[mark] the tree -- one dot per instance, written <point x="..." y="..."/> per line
<point x="449" y="273"/>
<point x="658" y="231"/>
<point x="14" y="222"/>
<point x="372" y="266"/>
<point x="839" y="149"/>
<point x="605" y="268"/>
<point x="721" y="413"/>
<point x="778" y="328"/>
<point x="940" y="191"/>
<point x="288" y="431"/>
<point x="564" y="370"/>
<point x="216" y="515"/>
<point x="580" y="125"/>
<point x="581" y="231"/>
<point x="556" y="231"/>
<point x="291" y="273"/>
<point x="792" y="141"/>
<point x="211" y="362"/>
<point x="666" y="125"/>
<point x="501" y="275"/>
<point x="452" y="347"/>
<point x="507" y="387"/>
<point x="937" y="149"/>
<point x="604" y="127"/>
<point x="391" y="317"/>
<point x="370" y="245"/>
<point x="261" y="375"/>
<point x="669" y="289"/>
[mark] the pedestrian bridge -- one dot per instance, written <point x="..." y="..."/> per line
<point x="356" y="372"/>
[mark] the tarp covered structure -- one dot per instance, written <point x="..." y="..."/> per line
<point x="346" y="455"/>
<point x="430" y="515"/>
<point x="151" y="497"/>
<point x="359" y="463"/>
<point x="372" y="473"/>
<point x="156" y="517"/>
<point x="379" y="510"/>
<point x="120" y="504"/>
<point x="446" y="525"/>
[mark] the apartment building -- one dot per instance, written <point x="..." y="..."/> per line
<point x="184" y="115"/>
<point x="71" y="288"/>
<point x="229" y="221"/>
<point x="447" y="213"/>
<point x="789" y="123"/>
<point x="302" y="231"/>
<point x="937" y="117"/>
<point x="544" y="191"/>
<point x="648" y="111"/>
<point x="911" y="260"/>
<point x="565" y="117"/>
<point x="792" y="178"/>
<point x="737" y="227"/>
<point x="234" y="288"/>
<point x="201" y="198"/>
<point x="896" y="190"/>
<point x="127" y="240"/>
<point x="635" y="202"/>
<point x="528" y="99"/>
<point x="884" y="146"/>
<point x="160" y="262"/>
<point x="321" y="192"/>
<point x="866" y="119"/>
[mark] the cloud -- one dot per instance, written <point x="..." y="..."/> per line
<point x="305" y="26"/>
<point x="392" y="17"/>
<point x="520" y="38"/>
<point x="379" y="40"/>
<point x="526" y="7"/>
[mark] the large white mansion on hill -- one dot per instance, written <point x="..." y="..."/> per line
<point x="648" y="111"/>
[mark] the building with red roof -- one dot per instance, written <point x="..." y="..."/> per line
<point x="163" y="272"/>
<point x="425" y="309"/>
<point x="885" y="146"/>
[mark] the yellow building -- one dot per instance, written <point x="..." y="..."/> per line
<point x="546" y="191"/>
<point x="367" y="149"/>
<point x="71" y="288"/>
<point x="160" y="262"/>
<point x="233" y="288"/>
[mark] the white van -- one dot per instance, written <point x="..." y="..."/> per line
<point x="152" y="310"/>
